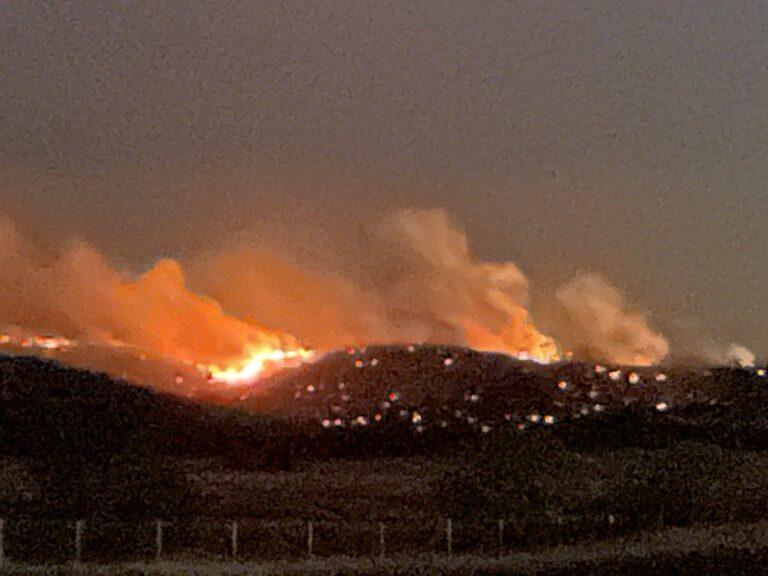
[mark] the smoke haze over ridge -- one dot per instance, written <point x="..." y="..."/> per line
<point x="429" y="287"/>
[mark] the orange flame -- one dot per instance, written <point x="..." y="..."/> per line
<point x="258" y="362"/>
<point x="520" y="338"/>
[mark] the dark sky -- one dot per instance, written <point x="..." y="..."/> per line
<point x="620" y="136"/>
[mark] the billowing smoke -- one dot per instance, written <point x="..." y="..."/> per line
<point x="739" y="355"/>
<point x="76" y="293"/>
<point x="593" y="321"/>
<point x="429" y="288"/>
<point x="426" y="287"/>
<point x="441" y="291"/>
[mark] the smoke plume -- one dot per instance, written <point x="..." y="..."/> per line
<point x="594" y="322"/>
<point x="75" y="292"/>
<point x="426" y="286"/>
<point x="739" y="355"/>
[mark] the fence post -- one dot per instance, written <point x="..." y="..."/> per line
<point x="382" y="549"/>
<point x="310" y="538"/>
<point x="234" y="539"/>
<point x="79" y="527"/>
<point x="2" y="542"/>
<point x="501" y="537"/>
<point x="449" y="536"/>
<point x="158" y="540"/>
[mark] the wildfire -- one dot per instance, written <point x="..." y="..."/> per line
<point x="256" y="363"/>
<point x="520" y="338"/>
<point x="37" y="341"/>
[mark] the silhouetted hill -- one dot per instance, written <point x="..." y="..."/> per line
<point x="385" y="399"/>
<point x="47" y="408"/>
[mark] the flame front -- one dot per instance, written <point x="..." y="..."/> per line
<point x="256" y="363"/>
<point x="520" y="338"/>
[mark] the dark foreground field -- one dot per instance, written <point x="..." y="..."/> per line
<point x="513" y="468"/>
<point x="730" y="549"/>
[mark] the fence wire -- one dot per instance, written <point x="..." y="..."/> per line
<point x="55" y="541"/>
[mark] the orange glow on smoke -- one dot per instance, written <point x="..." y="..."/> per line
<point x="520" y="338"/>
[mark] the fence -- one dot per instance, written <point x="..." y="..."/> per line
<point x="60" y="541"/>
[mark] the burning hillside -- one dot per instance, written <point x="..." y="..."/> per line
<point x="252" y="312"/>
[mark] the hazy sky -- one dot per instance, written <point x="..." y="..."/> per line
<point x="627" y="137"/>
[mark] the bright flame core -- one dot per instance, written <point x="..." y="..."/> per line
<point x="256" y="363"/>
